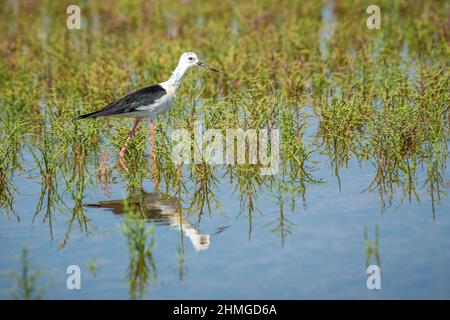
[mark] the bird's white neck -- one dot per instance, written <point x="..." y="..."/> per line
<point x="172" y="85"/>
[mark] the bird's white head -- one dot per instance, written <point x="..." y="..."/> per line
<point x="189" y="59"/>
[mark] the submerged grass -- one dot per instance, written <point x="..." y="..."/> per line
<point x="26" y="280"/>
<point x="140" y="240"/>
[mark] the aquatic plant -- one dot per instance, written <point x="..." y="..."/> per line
<point x="26" y="280"/>
<point x="140" y="240"/>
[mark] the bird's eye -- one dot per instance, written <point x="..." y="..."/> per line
<point x="191" y="58"/>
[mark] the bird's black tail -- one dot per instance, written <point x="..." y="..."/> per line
<point x="89" y="115"/>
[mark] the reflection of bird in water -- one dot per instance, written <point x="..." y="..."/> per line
<point x="163" y="210"/>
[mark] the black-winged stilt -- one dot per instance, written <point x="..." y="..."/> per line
<point x="150" y="101"/>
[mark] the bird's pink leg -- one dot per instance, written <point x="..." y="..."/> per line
<point x="124" y="148"/>
<point x="152" y="154"/>
<point x="152" y="139"/>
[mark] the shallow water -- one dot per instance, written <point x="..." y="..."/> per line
<point x="319" y="251"/>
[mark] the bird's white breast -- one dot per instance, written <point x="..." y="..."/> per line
<point x="159" y="106"/>
<point x="170" y="87"/>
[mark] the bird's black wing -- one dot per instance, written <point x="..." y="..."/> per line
<point x="128" y="104"/>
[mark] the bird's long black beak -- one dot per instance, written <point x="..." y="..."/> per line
<point x="207" y="67"/>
